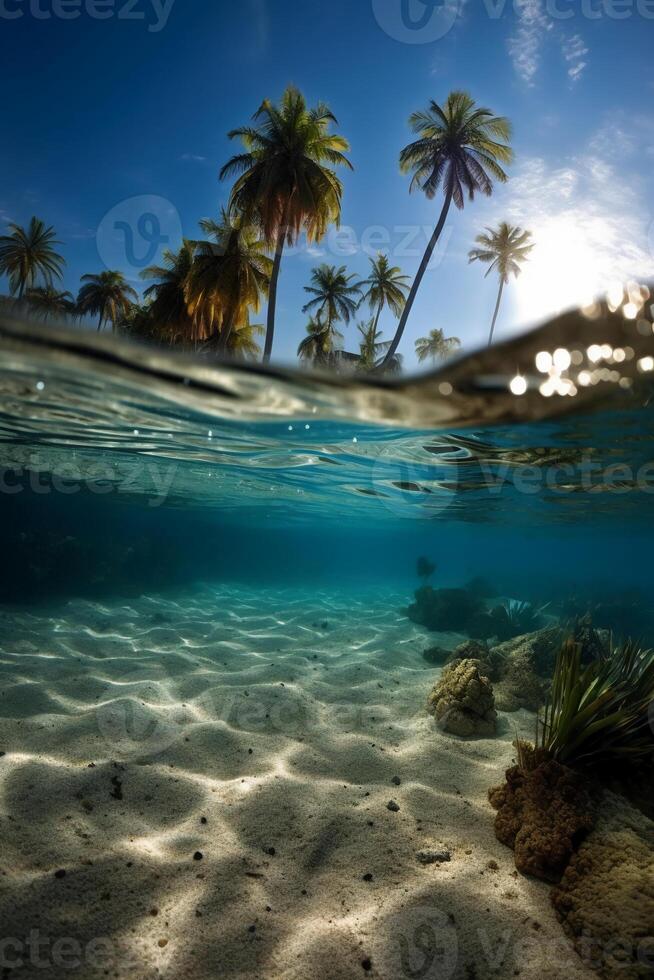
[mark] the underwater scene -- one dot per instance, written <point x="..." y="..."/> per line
<point x="311" y="676"/>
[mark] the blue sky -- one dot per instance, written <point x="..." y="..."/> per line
<point x="98" y="112"/>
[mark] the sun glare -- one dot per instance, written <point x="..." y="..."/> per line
<point x="565" y="270"/>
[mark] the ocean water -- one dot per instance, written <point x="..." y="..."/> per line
<point x="204" y="645"/>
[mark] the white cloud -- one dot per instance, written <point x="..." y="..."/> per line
<point x="591" y="226"/>
<point x="534" y="27"/>
<point x="574" y="52"/>
<point x="525" y="44"/>
<point x="193" y="158"/>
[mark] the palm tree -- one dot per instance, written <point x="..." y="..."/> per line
<point x="168" y="311"/>
<point x="506" y="248"/>
<point x="230" y="275"/>
<point x="47" y="301"/>
<point x="286" y="181"/>
<point x="335" y="296"/>
<point x="371" y="346"/>
<point x="318" y="346"/>
<point x="242" y="345"/>
<point x="386" y="286"/>
<point x="29" y="255"/>
<point x="460" y="147"/>
<point x="107" y="294"/>
<point x="436" y="346"/>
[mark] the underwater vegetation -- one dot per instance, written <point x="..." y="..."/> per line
<point x="466" y="611"/>
<point x="598" y="714"/>
<point x="557" y="813"/>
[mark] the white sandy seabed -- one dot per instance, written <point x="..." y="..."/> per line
<point x="197" y="787"/>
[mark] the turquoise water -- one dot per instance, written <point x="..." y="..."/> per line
<point x="127" y="469"/>
<point x="211" y="688"/>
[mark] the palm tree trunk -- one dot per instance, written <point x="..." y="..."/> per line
<point x="272" y="294"/>
<point x="379" y="313"/>
<point x="497" y="310"/>
<point x="416" y="282"/>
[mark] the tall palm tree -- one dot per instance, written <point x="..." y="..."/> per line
<point x="335" y="295"/>
<point x="505" y="248"/>
<point x="48" y="301"/>
<point x="386" y="286"/>
<point x="27" y="255"/>
<point x="436" y="346"/>
<point x="230" y="275"/>
<point x="107" y="294"/>
<point x="286" y="178"/>
<point x="460" y="148"/>
<point x="168" y="311"/>
<point x="318" y="345"/>
<point x="371" y="346"/>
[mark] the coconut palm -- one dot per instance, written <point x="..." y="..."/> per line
<point x="242" y="345"/>
<point x="460" y="148"/>
<point x="436" y="346"/>
<point x="318" y="346"/>
<point x="371" y="346"/>
<point x="230" y="275"/>
<point x="107" y="294"/>
<point x="335" y="295"/>
<point x="168" y="311"/>
<point x="28" y="255"/>
<point x="286" y="178"/>
<point x="385" y="286"/>
<point x="505" y="248"/>
<point x="48" y="301"/>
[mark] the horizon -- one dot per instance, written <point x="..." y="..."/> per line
<point x="87" y="157"/>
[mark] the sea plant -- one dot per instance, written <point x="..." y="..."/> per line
<point x="599" y="713"/>
<point x="513" y="618"/>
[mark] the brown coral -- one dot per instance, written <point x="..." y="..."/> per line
<point x="543" y="815"/>
<point x="463" y="702"/>
<point x="520" y="686"/>
<point x="606" y="897"/>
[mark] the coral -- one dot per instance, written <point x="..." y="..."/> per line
<point x="543" y="814"/>
<point x="444" y="609"/>
<point x="606" y="896"/>
<point x="519" y="685"/>
<point x="425" y="568"/>
<point x="542" y="646"/>
<point x="463" y="702"/>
